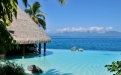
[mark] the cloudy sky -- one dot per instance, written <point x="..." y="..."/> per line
<point x="81" y="15"/>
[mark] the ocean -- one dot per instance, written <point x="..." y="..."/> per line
<point x="110" y="43"/>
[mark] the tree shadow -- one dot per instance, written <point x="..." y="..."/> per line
<point x="52" y="72"/>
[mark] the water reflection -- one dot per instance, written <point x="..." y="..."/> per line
<point x="34" y="55"/>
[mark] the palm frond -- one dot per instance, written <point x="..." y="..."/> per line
<point x="29" y="6"/>
<point x="42" y="23"/>
<point x="28" y="11"/>
<point x="41" y="16"/>
<point x="25" y="2"/>
<point x="36" y="7"/>
<point x="62" y="1"/>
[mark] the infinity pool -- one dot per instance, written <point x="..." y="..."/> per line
<point x="66" y="62"/>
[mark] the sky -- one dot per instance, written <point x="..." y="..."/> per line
<point x="80" y="15"/>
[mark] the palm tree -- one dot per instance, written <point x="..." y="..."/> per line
<point x="61" y="1"/>
<point x="36" y="15"/>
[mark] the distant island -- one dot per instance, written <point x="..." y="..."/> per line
<point x="107" y="33"/>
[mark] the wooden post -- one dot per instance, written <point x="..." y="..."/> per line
<point x="39" y="48"/>
<point x="23" y="51"/>
<point x="44" y="47"/>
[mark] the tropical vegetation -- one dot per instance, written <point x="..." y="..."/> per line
<point x="11" y="68"/>
<point x="36" y="14"/>
<point x="114" y="67"/>
<point x="7" y="9"/>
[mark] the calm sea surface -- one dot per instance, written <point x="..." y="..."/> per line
<point x="87" y="43"/>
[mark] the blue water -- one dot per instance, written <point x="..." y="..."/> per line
<point x="67" y="62"/>
<point x="60" y="60"/>
<point x="87" y="43"/>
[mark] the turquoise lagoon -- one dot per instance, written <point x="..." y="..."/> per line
<point x="67" y="62"/>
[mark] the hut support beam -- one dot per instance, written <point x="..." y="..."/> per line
<point x="39" y="48"/>
<point x="44" y="48"/>
<point x="23" y="51"/>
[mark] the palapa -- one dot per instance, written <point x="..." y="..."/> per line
<point x="25" y="31"/>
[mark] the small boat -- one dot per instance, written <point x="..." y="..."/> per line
<point x="80" y="49"/>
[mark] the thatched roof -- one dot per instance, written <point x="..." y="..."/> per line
<point x="26" y="31"/>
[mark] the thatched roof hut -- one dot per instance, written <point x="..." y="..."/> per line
<point x="26" y="31"/>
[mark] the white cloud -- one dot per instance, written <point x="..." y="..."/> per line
<point x="64" y="30"/>
<point x="95" y="29"/>
<point x="81" y="29"/>
<point x="109" y="28"/>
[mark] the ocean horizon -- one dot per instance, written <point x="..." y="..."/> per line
<point x="103" y="43"/>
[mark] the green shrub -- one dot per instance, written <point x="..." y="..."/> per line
<point x="11" y="68"/>
<point x="114" y="67"/>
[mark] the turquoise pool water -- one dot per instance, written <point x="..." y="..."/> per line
<point x="67" y="62"/>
